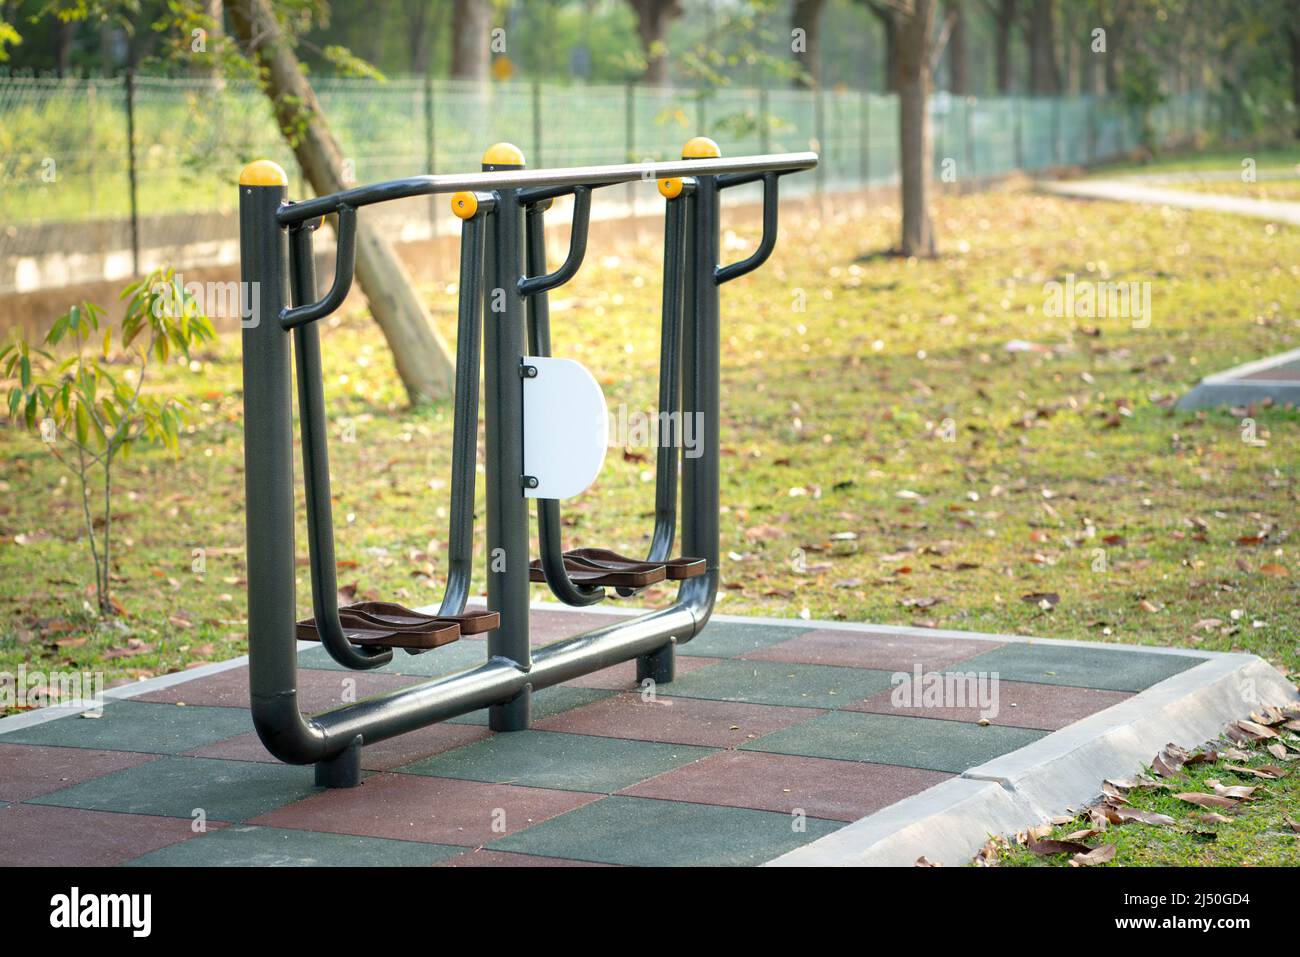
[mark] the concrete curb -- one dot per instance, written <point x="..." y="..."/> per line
<point x="1231" y="388"/>
<point x="1060" y="772"/>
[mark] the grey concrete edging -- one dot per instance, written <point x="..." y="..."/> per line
<point x="1058" y="773"/>
<point x="1232" y="388"/>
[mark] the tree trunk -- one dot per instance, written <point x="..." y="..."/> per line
<point x="958" y="79"/>
<point x="420" y="354"/>
<point x="1044" y="77"/>
<point x="888" y="16"/>
<point x="1293" y="34"/>
<point x="806" y="16"/>
<point x="652" y="20"/>
<point x="65" y="32"/>
<point x="914" y="80"/>
<point x="471" y="23"/>
<point x="417" y="39"/>
<point x="1004" y="19"/>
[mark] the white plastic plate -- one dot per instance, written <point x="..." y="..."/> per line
<point x="566" y="428"/>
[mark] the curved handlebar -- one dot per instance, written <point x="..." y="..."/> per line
<point x="766" y="244"/>
<point x="529" y="285"/>
<point x="344" y="263"/>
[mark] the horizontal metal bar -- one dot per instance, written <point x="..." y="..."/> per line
<point x="407" y="709"/>
<point x="594" y="176"/>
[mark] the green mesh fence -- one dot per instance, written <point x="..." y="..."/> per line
<point x="65" y="162"/>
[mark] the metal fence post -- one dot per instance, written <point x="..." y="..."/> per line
<point x="1020" y="144"/>
<point x="629" y="137"/>
<point x="430" y="149"/>
<point x="968" y="105"/>
<point x="537" y="123"/>
<point x="819" y="131"/>
<point x="864" y="140"/>
<point x="131" y="172"/>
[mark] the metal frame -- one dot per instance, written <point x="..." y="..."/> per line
<point x="493" y="251"/>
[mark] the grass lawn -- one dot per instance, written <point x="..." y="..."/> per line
<point x="1282" y="190"/>
<point x="1220" y="158"/>
<point x="1261" y="830"/>
<point x="887" y="458"/>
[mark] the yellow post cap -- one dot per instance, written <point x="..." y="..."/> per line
<point x="670" y="188"/>
<point x="700" y="147"/>
<point x="464" y="205"/>
<point x="263" y="173"/>
<point x="503" y="156"/>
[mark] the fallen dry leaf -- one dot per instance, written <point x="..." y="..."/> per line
<point x="1207" y="800"/>
<point x="1129" y="815"/>
<point x="1045" y="847"/>
<point x="1098" y="855"/>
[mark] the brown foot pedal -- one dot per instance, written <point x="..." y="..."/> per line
<point x="390" y="614"/>
<point x="677" y="568"/>
<point x="624" y="574"/>
<point x="362" y="631"/>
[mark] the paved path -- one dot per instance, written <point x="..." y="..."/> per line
<point x="1125" y="191"/>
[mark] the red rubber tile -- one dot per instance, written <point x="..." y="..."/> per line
<point x="29" y="770"/>
<point x="35" y="836"/>
<point x="865" y="649"/>
<point x="833" y="790"/>
<point x="382" y="756"/>
<point x="415" y="807"/>
<point x="622" y="677"/>
<point x="1021" y="704"/>
<point x="545" y="627"/>
<point x="712" y="724"/>
<point x="318" y="689"/>
<point x="485" y="858"/>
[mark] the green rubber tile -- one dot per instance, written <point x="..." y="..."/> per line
<point x="138" y="726"/>
<point x="244" y="846"/>
<point x="729" y="639"/>
<point x="1107" y="669"/>
<point x="458" y="656"/>
<point x="928" y="743"/>
<point x="550" y="759"/>
<point x="778" y="683"/>
<point x="177" y="786"/>
<point x="647" y="832"/>
<point x="546" y="703"/>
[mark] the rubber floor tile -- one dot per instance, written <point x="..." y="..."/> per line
<point x="180" y="786"/>
<point x="891" y="739"/>
<point x="243" y="846"/>
<point x="546" y="759"/>
<point x="640" y="831"/>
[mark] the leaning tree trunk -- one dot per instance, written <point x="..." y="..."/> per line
<point x="914" y="79"/>
<point x="422" y="358"/>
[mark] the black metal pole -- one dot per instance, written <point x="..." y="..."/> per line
<point x="131" y="171"/>
<point x="504" y="348"/>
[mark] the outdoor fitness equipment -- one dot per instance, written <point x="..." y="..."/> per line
<point x="545" y="425"/>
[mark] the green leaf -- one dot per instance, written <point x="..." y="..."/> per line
<point x="25" y="374"/>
